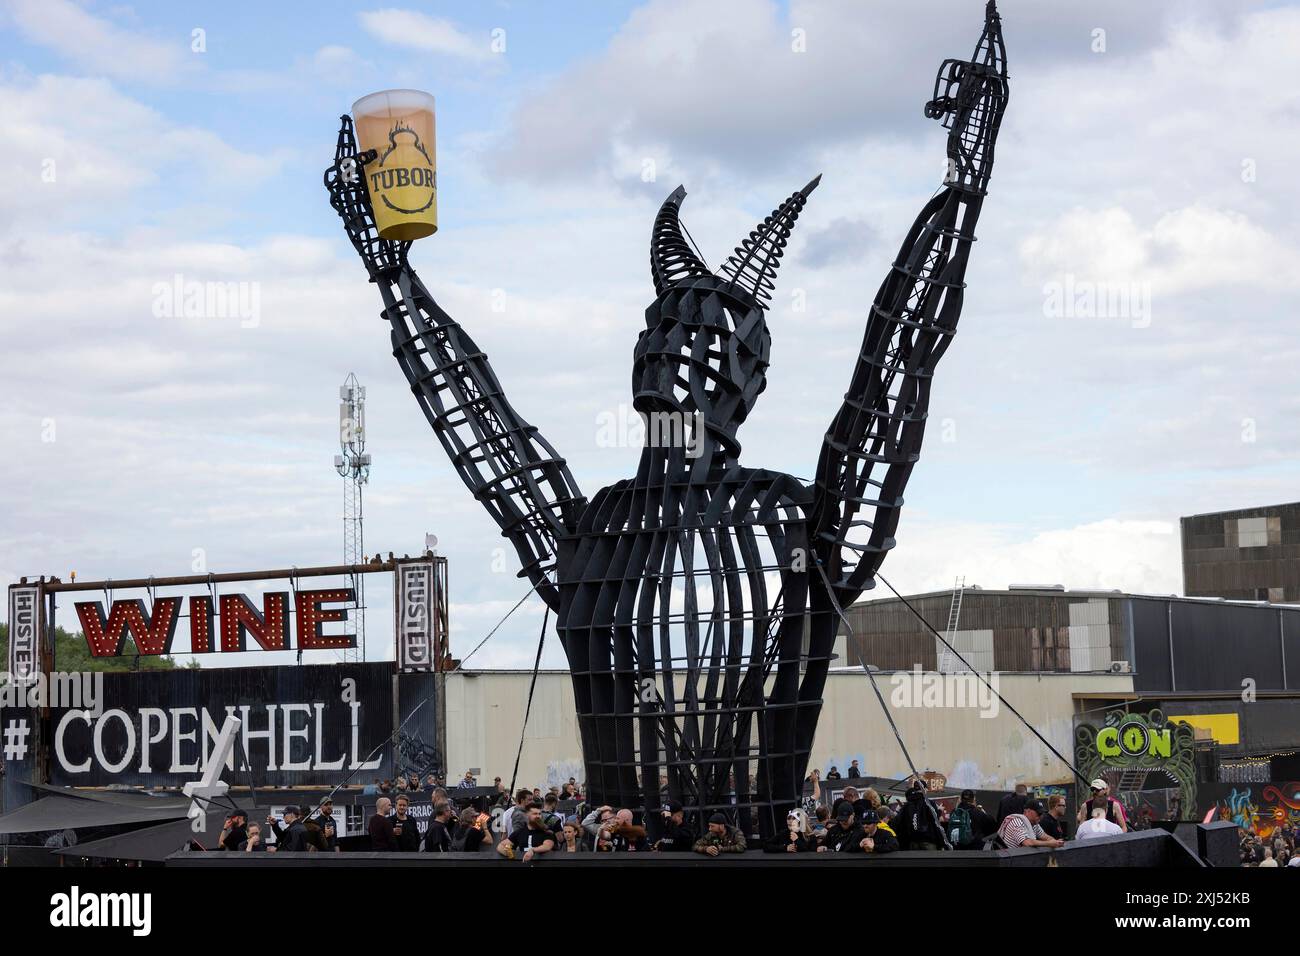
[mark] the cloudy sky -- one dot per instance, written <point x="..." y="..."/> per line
<point x="1127" y="352"/>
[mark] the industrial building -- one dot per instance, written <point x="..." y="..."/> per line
<point x="1252" y="554"/>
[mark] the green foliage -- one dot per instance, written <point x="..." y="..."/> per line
<point x="72" y="654"/>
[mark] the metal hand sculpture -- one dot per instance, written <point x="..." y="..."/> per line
<point x="696" y="602"/>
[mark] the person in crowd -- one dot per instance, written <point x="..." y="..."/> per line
<point x="823" y="820"/>
<point x="918" y="827"/>
<point x="254" y="841"/>
<point x="234" y="831"/>
<point x="844" y="835"/>
<point x="969" y="825"/>
<point x="473" y="832"/>
<point x="1013" y="802"/>
<point x="412" y="783"/>
<point x="594" y="822"/>
<point x="292" y="838"/>
<point x="329" y="831"/>
<point x="531" y="838"/>
<point x="813" y="800"/>
<point x="551" y="815"/>
<point x="513" y="818"/>
<point x="1101" y="798"/>
<point x="430" y="784"/>
<point x="1022" y="829"/>
<point x="677" y="836"/>
<point x="854" y="771"/>
<point x="1053" y="823"/>
<point x="467" y="782"/>
<point x="572" y="838"/>
<point x="797" y="838"/>
<point x="386" y="787"/>
<point x="877" y="836"/>
<point x="380" y="828"/>
<point x="628" y="836"/>
<point x="371" y="789"/>
<point x="437" y="835"/>
<point x="721" y="837"/>
<point x="569" y="792"/>
<point x="833" y="774"/>
<point x="1269" y="860"/>
<point x="1097" y="826"/>
<point x="405" y="829"/>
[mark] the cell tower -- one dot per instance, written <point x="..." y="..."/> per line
<point x="354" y="465"/>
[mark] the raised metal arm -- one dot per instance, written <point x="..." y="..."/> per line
<point x="875" y="439"/>
<point x="520" y="479"/>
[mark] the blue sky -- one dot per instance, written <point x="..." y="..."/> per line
<point x="1155" y="157"/>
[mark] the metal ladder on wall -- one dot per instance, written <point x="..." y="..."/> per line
<point x="948" y="662"/>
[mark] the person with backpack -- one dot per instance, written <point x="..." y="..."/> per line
<point x="969" y="825"/>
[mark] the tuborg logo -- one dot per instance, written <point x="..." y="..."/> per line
<point x="76" y="909"/>
<point x="404" y="180"/>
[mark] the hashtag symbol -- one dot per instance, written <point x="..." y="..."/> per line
<point x="16" y="732"/>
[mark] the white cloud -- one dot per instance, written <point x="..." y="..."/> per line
<point x="96" y="44"/>
<point x="413" y="30"/>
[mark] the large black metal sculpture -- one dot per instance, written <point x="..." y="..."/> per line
<point x="697" y="602"/>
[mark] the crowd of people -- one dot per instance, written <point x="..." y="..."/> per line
<point x="1276" y="849"/>
<point x="533" y="822"/>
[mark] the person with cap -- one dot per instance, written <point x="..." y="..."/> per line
<point x="1022" y="829"/>
<point x="844" y="835"/>
<point x="234" y="831"/>
<point x="797" y="837"/>
<point x="918" y="826"/>
<point x="329" y="831"/>
<point x="877" y="836"/>
<point x="969" y="825"/>
<point x="677" y="836"/>
<point x="1101" y="799"/>
<point x="292" y="837"/>
<point x="721" y="837"/>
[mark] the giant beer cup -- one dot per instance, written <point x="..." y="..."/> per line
<point x="403" y="180"/>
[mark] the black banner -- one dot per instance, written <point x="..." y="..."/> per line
<point x="299" y="726"/>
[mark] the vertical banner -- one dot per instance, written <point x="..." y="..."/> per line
<point x="24" y="632"/>
<point x="413" y="584"/>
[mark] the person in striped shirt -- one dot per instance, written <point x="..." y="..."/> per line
<point x="1022" y="829"/>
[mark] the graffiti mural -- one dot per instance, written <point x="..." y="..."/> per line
<point x="1129" y="746"/>
<point x="1278" y="806"/>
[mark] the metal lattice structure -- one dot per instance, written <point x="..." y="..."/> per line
<point x="353" y="464"/>
<point x="697" y="602"/>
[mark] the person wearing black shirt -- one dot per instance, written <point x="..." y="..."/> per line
<point x="677" y="837"/>
<point x="235" y="831"/>
<point x="1013" y="803"/>
<point x="531" y="839"/>
<point x="844" y="835"/>
<point x="328" y="828"/>
<point x="982" y="825"/>
<point x="437" y="836"/>
<point x="254" y="842"/>
<point x="473" y="832"/>
<point x="405" y="829"/>
<point x="797" y="838"/>
<point x="292" y="837"/>
<point x="382" y="837"/>
<point x="1053" y="822"/>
